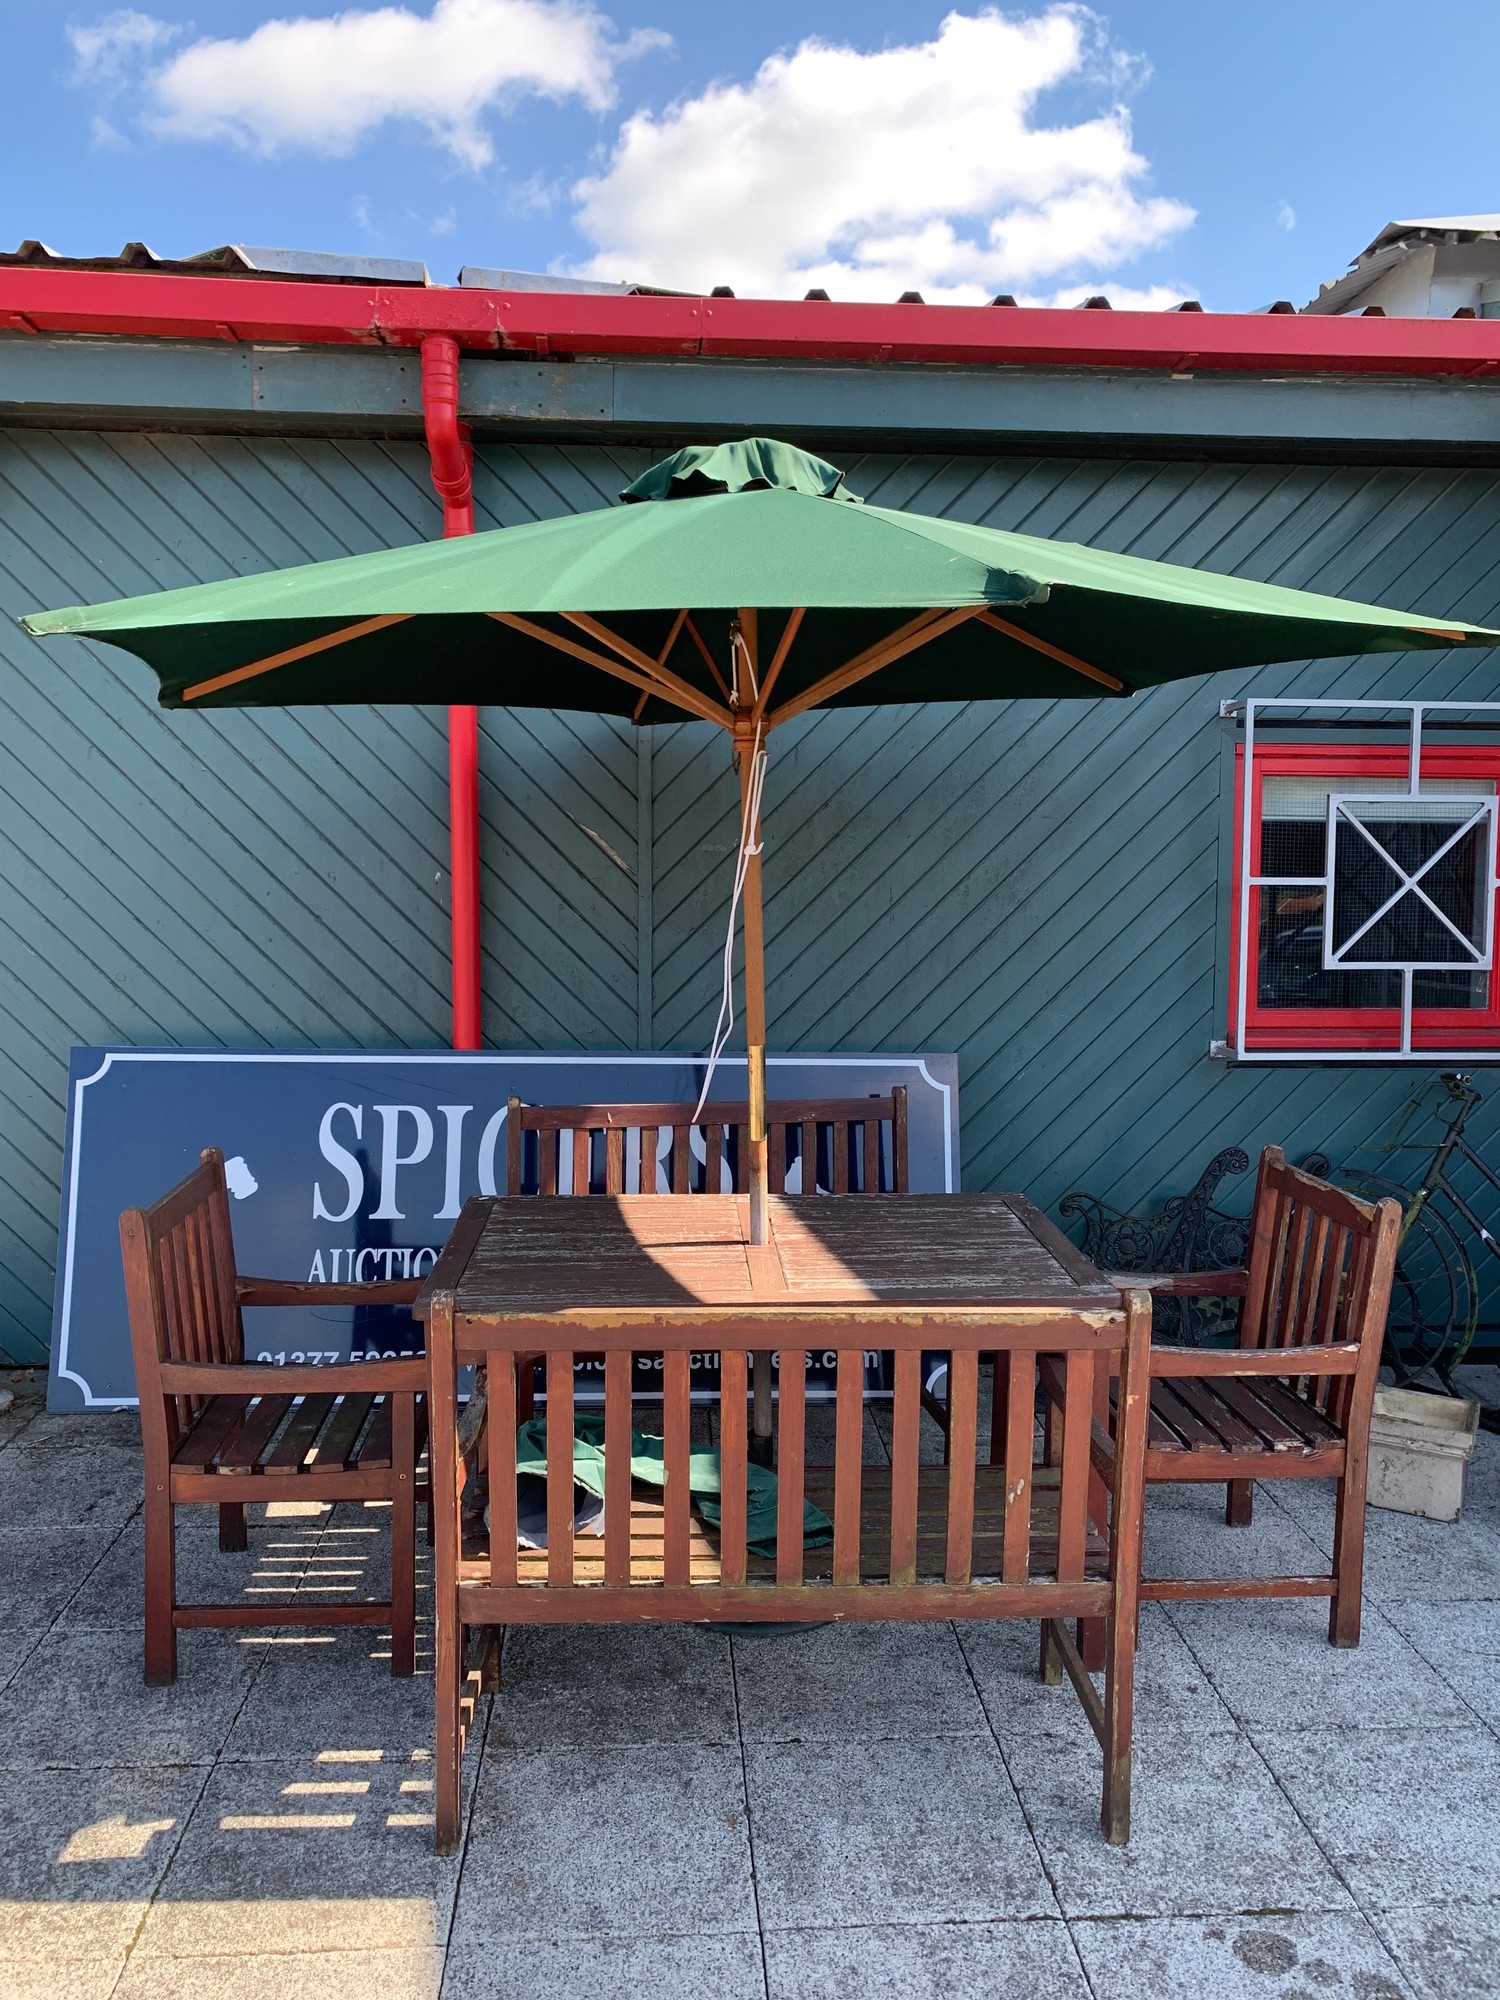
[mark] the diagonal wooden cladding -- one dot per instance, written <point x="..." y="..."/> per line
<point x="1034" y="885"/>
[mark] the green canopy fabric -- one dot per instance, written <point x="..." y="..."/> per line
<point x="1090" y="622"/>
<point x="647" y="1463"/>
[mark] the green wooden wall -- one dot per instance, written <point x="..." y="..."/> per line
<point x="1036" y="886"/>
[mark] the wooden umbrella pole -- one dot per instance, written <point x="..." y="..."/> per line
<point x="746" y="737"/>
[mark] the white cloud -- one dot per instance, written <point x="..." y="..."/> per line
<point x="324" y="84"/>
<point x="920" y="167"/>
<point x="1286" y="215"/>
<point x="106" y="50"/>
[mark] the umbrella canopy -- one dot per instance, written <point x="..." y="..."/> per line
<point x="633" y="611"/>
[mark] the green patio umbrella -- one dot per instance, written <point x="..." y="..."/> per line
<point x="747" y="587"/>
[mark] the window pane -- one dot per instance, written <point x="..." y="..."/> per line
<point x="1386" y="844"/>
<point x="1291" y="958"/>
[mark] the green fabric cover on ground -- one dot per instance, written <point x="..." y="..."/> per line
<point x="646" y="1464"/>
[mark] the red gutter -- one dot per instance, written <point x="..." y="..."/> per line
<point x="452" y="459"/>
<point x="149" y="304"/>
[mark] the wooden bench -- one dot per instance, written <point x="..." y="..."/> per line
<point x="1009" y="1539"/>
<point x="1293" y="1400"/>
<point x="222" y="1432"/>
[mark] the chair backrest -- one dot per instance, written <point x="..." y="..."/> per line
<point x="855" y="1145"/>
<point x="180" y="1285"/>
<point x="1321" y="1266"/>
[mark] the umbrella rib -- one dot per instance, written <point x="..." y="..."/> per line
<point x="918" y="632"/>
<point x="1052" y="652"/>
<point x="688" y="698"/>
<point x="709" y="661"/>
<point x="778" y="659"/>
<point x="670" y="684"/>
<point x="302" y="652"/>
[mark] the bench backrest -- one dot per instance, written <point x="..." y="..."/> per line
<point x="971" y="1530"/>
<point x="839" y="1145"/>
<point x="1320" y="1270"/>
<point x="180" y="1285"/>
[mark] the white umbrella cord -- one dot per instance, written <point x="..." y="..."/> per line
<point x="749" y="845"/>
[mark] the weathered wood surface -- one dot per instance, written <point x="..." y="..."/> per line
<point x="679" y="1255"/>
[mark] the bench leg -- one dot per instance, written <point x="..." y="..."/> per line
<point x="1119" y="1720"/>
<point x="161" y="1591"/>
<point x="1239" y="1502"/>
<point x="232" y="1534"/>
<point x="1348" y="1558"/>
<point x="404" y="1536"/>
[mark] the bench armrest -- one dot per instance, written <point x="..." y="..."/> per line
<point x="1311" y="1358"/>
<point x="287" y="1292"/>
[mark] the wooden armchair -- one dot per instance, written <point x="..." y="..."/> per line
<point x="1293" y="1400"/>
<point x="221" y="1432"/>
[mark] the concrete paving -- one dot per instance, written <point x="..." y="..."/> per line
<point x="882" y="1811"/>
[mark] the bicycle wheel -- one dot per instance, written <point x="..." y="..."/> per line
<point x="1434" y="1299"/>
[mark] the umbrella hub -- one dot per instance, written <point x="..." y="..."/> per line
<point x="752" y="465"/>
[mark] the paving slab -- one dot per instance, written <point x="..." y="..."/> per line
<point x="821" y="1423"/>
<point x="1461" y="1642"/>
<point x="1271" y="1662"/>
<point x="331" y="1690"/>
<point x="1409" y="1560"/>
<point x="612" y="1684"/>
<point x="1447" y="1953"/>
<point x="81" y="1854"/>
<point x="1187" y="1536"/>
<point x="605" y="1968"/>
<point x="1210" y="1830"/>
<point x="1336" y="1956"/>
<point x="83" y="1430"/>
<point x="315" y="1975"/>
<point x="351" y="1559"/>
<point x="903" y="1831"/>
<point x="95" y="1486"/>
<point x="641" y="1840"/>
<point x="311" y="1855"/>
<point x="84" y="1979"/>
<point x="926" y="1962"/>
<point x="98" y="1710"/>
<point x="1172" y="1692"/>
<point x="17" y="1644"/>
<point x="837" y="1682"/>
<point x="1405" y="1815"/>
<point x="112" y="1598"/>
<point x="41" y="1569"/>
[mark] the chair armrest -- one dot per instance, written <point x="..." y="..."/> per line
<point x="287" y="1292"/>
<point x="1312" y="1358"/>
<point x="1187" y="1284"/>
<point x="266" y="1378"/>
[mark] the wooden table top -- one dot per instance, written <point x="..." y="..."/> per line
<point x="690" y="1254"/>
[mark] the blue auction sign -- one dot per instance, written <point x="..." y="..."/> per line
<point x="353" y="1167"/>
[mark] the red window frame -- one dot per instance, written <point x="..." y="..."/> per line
<point x="1333" y="1029"/>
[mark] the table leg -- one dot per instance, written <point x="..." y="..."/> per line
<point x="762" y="1450"/>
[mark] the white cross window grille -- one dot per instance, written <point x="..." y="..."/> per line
<point x="1410" y="884"/>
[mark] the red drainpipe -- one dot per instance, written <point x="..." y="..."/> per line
<point x="453" y="476"/>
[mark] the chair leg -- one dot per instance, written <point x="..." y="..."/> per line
<point x="1239" y="1501"/>
<point x="1348" y="1560"/>
<point x="1051" y="1664"/>
<point x="232" y="1534"/>
<point x="404" y="1537"/>
<point x="161" y="1591"/>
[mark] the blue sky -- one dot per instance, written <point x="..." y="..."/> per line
<point x="1152" y="149"/>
